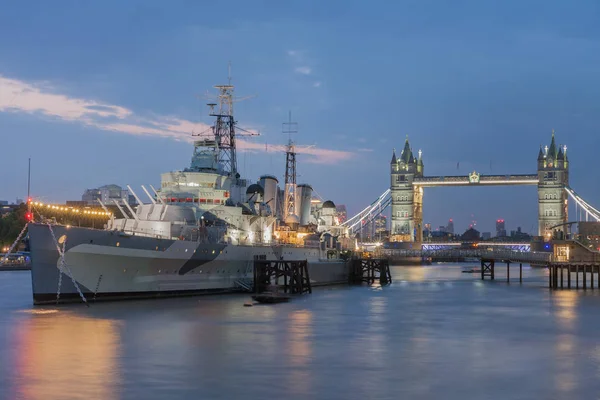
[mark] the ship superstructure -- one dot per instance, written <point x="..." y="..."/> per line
<point x="210" y="202"/>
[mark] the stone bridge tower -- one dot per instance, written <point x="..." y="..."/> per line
<point x="407" y="201"/>
<point x="553" y="174"/>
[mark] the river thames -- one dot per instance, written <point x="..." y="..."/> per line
<point x="435" y="333"/>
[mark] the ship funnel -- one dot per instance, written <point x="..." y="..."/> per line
<point x="303" y="198"/>
<point x="269" y="185"/>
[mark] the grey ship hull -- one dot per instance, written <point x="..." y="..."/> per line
<point x="108" y="265"/>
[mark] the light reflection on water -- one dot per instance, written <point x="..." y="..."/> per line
<point x="434" y="333"/>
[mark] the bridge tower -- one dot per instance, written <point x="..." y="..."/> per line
<point x="407" y="201"/>
<point x="553" y="174"/>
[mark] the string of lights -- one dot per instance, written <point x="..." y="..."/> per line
<point x="43" y="207"/>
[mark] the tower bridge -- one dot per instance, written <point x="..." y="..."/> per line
<point x="407" y="183"/>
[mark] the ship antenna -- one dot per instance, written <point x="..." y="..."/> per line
<point x="289" y="206"/>
<point x="229" y="73"/>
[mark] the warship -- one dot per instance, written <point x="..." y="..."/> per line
<point x="198" y="233"/>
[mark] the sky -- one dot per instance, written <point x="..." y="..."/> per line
<point x="110" y="92"/>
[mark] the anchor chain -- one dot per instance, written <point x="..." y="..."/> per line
<point x="14" y="245"/>
<point x="63" y="265"/>
<point x="97" y="286"/>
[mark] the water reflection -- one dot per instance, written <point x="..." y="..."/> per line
<point x="565" y="303"/>
<point x="64" y="355"/>
<point x="299" y="352"/>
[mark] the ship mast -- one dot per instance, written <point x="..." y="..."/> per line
<point x="289" y="201"/>
<point x="224" y="128"/>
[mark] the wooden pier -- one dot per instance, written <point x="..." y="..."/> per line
<point x="368" y="270"/>
<point x="268" y="273"/>
<point x="488" y="268"/>
<point x="557" y="272"/>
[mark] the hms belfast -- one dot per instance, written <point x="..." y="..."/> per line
<point x="200" y="232"/>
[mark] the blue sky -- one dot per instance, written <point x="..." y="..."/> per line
<point x="108" y="92"/>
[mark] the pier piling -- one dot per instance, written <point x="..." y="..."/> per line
<point x="487" y="268"/>
<point x="520" y="272"/>
<point x="294" y="273"/>
<point x="367" y="270"/>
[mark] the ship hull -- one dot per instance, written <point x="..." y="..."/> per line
<point x="107" y="265"/>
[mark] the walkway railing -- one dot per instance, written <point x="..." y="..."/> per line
<point x="507" y="255"/>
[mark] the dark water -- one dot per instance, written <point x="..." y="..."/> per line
<point x="433" y="334"/>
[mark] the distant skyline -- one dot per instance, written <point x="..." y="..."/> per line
<point x="110" y="92"/>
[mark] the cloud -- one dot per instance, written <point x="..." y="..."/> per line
<point x="41" y="99"/>
<point x="303" y="70"/>
<point x="315" y="155"/>
<point x="317" y="84"/>
<point x="364" y="150"/>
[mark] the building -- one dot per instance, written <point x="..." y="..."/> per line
<point x="3" y="203"/>
<point x="407" y="201"/>
<point x="342" y="213"/>
<point x="486" y="235"/>
<point x="500" y="228"/>
<point x="380" y="227"/>
<point x="106" y="194"/>
<point x="553" y="174"/>
<point x="470" y="235"/>
<point x="589" y="234"/>
<point x="450" y="226"/>
<point x="519" y="235"/>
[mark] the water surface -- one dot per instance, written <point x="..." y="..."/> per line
<point x="435" y="333"/>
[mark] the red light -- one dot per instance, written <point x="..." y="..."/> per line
<point x="29" y="217"/>
<point x="29" y="200"/>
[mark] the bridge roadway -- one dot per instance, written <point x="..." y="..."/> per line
<point x="468" y="180"/>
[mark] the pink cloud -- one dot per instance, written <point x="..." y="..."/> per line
<point x="22" y="97"/>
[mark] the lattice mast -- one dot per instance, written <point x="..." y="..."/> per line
<point x="289" y="200"/>
<point x="224" y="128"/>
